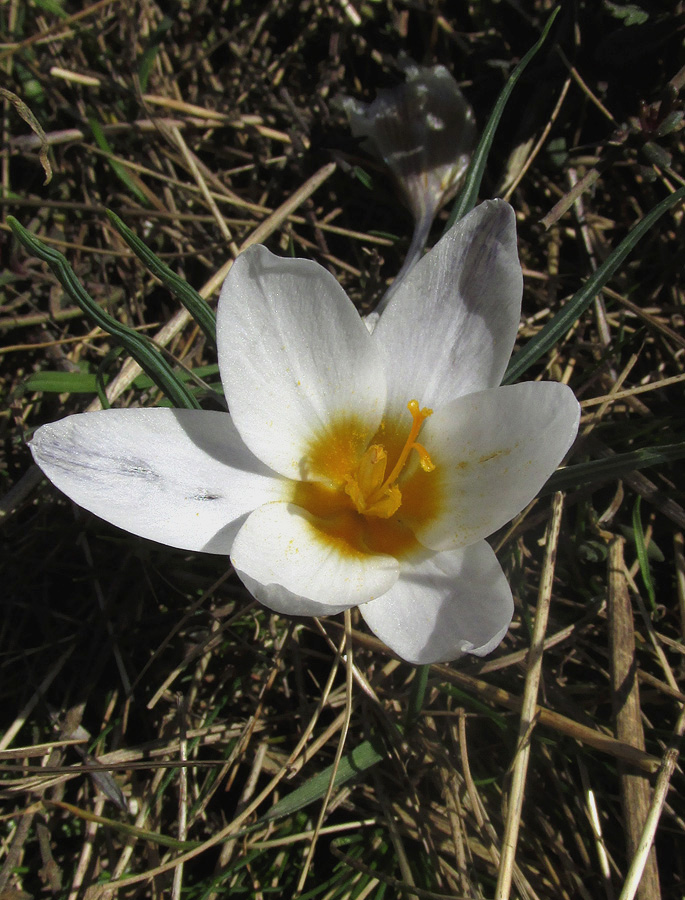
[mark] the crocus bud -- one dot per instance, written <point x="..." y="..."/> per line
<point x="424" y="130"/>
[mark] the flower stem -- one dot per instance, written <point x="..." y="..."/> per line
<point x="416" y="698"/>
<point x="418" y="242"/>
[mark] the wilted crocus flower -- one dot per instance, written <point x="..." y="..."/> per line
<point x="354" y="469"/>
<point x="425" y="132"/>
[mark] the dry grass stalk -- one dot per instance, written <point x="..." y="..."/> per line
<point x="644" y="848"/>
<point x="497" y="695"/>
<point x="529" y="706"/>
<point x="349" y="661"/>
<point x="635" y="789"/>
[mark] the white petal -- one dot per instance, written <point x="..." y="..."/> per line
<point x="180" y="477"/>
<point x="294" y="354"/>
<point x="290" y="566"/>
<point x="444" y="605"/>
<point x="493" y="451"/>
<point x="450" y="328"/>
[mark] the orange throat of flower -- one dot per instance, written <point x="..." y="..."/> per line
<point x="354" y="503"/>
<point x="371" y="492"/>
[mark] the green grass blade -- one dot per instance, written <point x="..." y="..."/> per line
<point x="417" y="695"/>
<point x="147" y="60"/>
<point x="598" y="470"/>
<point x="467" y="699"/>
<point x="49" y="382"/>
<point x="642" y="555"/>
<point x="141" y="834"/>
<point x="119" y="170"/>
<point x="198" y="308"/>
<point x="54" y="7"/>
<point x="468" y="196"/>
<point x="566" y="317"/>
<point x="102" y="376"/>
<point x="352" y="764"/>
<point x="62" y="382"/>
<point x="142" y="351"/>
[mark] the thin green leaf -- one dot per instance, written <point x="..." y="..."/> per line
<point x="468" y="196"/>
<point x="417" y="696"/>
<point x="556" y="329"/>
<point x="338" y="883"/>
<point x="654" y="552"/>
<point x="102" y="377"/>
<point x="53" y="7"/>
<point x="147" y="60"/>
<point x="352" y="764"/>
<point x="363" y="176"/>
<point x="61" y="382"/>
<point x="464" y="697"/>
<point x="642" y="556"/>
<point x="124" y="828"/>
<point x="86" y="383"/>
<point x="196" y="305"/>
<point x="600" y="470"/>
<point x="142" y="351"/>
<point x="120" y="171"/>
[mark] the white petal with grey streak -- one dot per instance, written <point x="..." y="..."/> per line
<point x="181" y="477"/>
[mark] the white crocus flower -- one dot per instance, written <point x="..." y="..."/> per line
<point x="354" y="469"/>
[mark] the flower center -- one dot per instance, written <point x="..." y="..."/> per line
<point x="363" y="493"/>
<point x="371" y="492"/>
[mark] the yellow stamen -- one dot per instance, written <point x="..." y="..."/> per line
<point x="371" y="469"/>
<point x="373" y="496"/>
<point x="419" y="416"/>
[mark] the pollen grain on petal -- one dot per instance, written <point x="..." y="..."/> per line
<point x="334" y="450"/>
<point x="496" y="454"/>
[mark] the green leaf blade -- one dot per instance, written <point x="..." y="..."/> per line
<point x="196" y="305"/>
<point x="352" y="764"/>
<point x="138" y="347"/>
<point x="562" y="322"/>
<point x="468" y="196"/>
